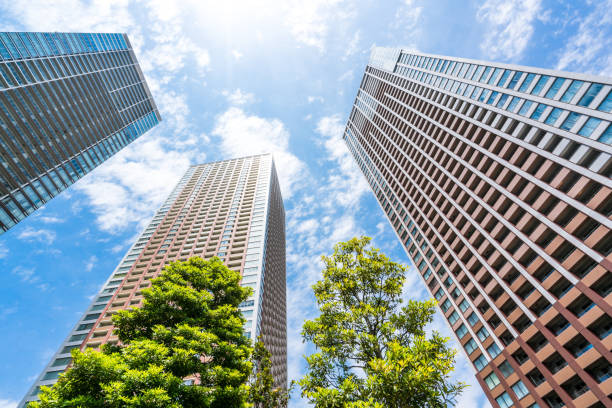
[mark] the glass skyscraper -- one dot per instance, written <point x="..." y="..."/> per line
<point x="231" y="209"/>
<point x="496" y="179"/>
<point x="68" y="102"/>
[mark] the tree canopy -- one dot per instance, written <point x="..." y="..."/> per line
<point x="188" y="327"/>
<point x="371" y="348"/>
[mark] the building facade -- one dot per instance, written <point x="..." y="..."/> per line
<point x="68" y="102"/>
<point x="231" y="209"/>
<point x="496" y="179"/>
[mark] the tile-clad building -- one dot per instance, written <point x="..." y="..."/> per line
<point x="68" y="102"/>
<point x="231" y="209"/>
<point x="496" y="179"/>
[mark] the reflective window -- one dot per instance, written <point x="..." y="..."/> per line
<point x="492" y="380"/>
<point x="553" y="116"/>
<point x="494" y="76"/>
<point x="504" y="78"/>
<point x="504" y="400"/>
<point x="557" y="84"/>
<point x="526" y="82"/>
<point x="519" y="389"/>
<point x="481" y="362"/>
<point x="461" y="331"/>
<point x="525" y="108"/>
<point x="472" y="319"/>
<point x="502" y="101"/>
<point x="590" y="94"/>
<point x="464" y="305"/>
<point x="606" y="136"/>
<point x="606" y="104"/>
<point x="514" y="80"/>
<point x="482" y="334"/>
<point x="540" y="85"/>
<point x="453" y="318"/>
<point x="505" y="368"/>
<point x="570" y="121"/>
<point x="589" y="126"/>
<point x="470" y="346"/>
<point x="513" y="104"/>
<point x="446" y="305"/>
<point x="493" y="350"/>
<point x="571" y="91"/>
<point x="538" y="111"/>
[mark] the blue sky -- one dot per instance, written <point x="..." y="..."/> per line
<point x="234" y="78"/>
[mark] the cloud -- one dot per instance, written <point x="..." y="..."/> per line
<point x="353" y="45"/>
<point x="47" y="219"/>
<point x="237" y="97"/>
<point x="3" y="250"/>
<point x="7" y="403"/>
<point x="509" y="26"/>
<point x="309" y="21"/>
<point x="91" y="262"/>
<point x="44" y="236"/>
<point x="237" y="54"/>
<point x="244" y="135"/>
<point x="26" y="275"/>
<point x="7" y="311"/>
<point x="312" y="99"/>
<point x="589" y="50"/>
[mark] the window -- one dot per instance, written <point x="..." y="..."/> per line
<point x="461" y="331"/>
<point x="453" y="318"/>
<point x="526" y="82"/>
<point x="470" y="346"/>
<point x="506" y="369"/>
<point x="446" y="305"/>
<point x="464" y="305"/>
<point x="482" y="334"/>
<point x="571" y="91"/>
<point x="553" y="116"/>
<point x="525" y="108"/>
<point x="587" y="129"/>
<point x="472" y="319"/>
<point x="538" y="111"/>
<point x="555" y="88"/>
<point x="590" y="94"/>
<point x="492" y="380"/>
<point x="606" y="136"/>
<point x="504" y="400"/>
<point x="570" y="121"/>
<point x="493" y="350"/>
<point x="439" y="294"/>
<point x="514" y="80"/>
<point x="540" y="85"/>
<point x="606" y="104"/>
<point x="519" y="389"/>
<point x="480" y="362"/>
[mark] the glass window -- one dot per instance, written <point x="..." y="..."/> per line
<point x="481" y="362"/>
<point x="554" y="88"/>
<point x="553" y="116"/>
<point x="464" y="305"/>
<point x="513" y="104"/>
<point x="439" y="294"/>
<point x="493" y="350"/>
<point x="590" y="94"/>
<point x="477" y="73"/>
<point x="470" y="346"/>
<point x="446" y="305"/>
<point x="589" y="126"/>
<point x="538" y="111"/>
<point x="427" y="274"/>
<point x="492" y="97"/>
<point x="492" y="380"/>
<point x="606" y="136"/>
<point x="453" y="318"/>
<point x="519" y="389"/>
<point x="494" y="76"/>
<point x="482" y="334"/>
<point x="502" y="100"/>
<point x="526" y="82"/>
<point x="472" y="319"/>
<point x="606" y="104"/>
<point x="485" y="74"/>
<point x="571" y="91"/>
<point x="455" y="293"/>
<point x="514" y="80"/>
<point x="505" y="368"/>
<point x="504" y="78"/>
<point x="461" y="331"/>
<point x="540" y="85"/>
<point x="570" y="121"/>
<point x="504" y="400"/>
<point x="525" y="108"/>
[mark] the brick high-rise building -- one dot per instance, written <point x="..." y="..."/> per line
<point x="68" y="102"/>
<point x="231" y="209"/>
<point x="496" y="179"/>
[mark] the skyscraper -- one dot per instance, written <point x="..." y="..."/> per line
<point x="231" y="209"/>
<point x="68" y="102"/>
<point x="496" y="179"/>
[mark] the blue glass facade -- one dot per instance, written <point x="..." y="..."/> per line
<point x="68" y="102"/>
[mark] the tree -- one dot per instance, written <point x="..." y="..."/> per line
<point x="188" y="327"/>
<point x="372" y="351"/>
<point x="262" y="392"/>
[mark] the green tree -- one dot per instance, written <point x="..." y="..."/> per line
<point x="188" y="327"/>
<point x="262" y="392"/>
<point x="371" y="350"/>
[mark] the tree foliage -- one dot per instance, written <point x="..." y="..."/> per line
<point x="372" y="350"/>
<point x="262" y="392"/>
<point x="188" y="327"/>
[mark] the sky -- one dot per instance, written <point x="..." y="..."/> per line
<point x="234" y="78"/>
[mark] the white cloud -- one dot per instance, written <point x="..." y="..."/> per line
<point x="44" y="236"/>
<point x="7" y="403"/>
<point x="589" y="50"/>
<point x="4" y="312"/>
<point x="309" y="21"/>
<point x="48" y="219"/>
<point x="312" y="99"/>
<point x="347" y="76"/>
<point x="509" y="26"/>
<point x="238" y="97"/>
<point x="237" y="54"/>
<point x="353" y="46"/>
<point x="91" y="263"/>
<point x="244" y="135"/>
<point x="26" y="275"/>
<point x="3" y="250"/>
